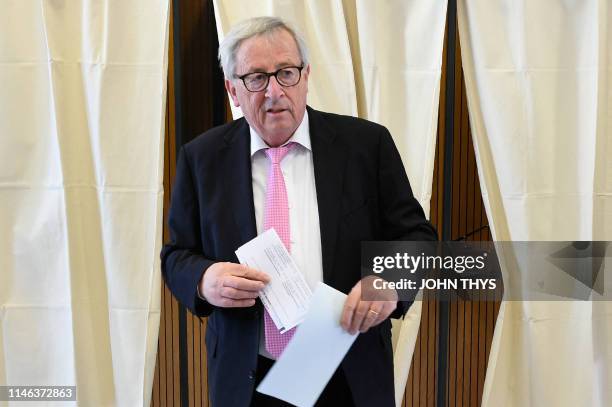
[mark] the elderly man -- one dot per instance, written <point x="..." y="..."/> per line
<point x="324" y="182"/>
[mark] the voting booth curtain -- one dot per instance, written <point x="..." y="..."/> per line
<point x="368" y="60"/>
<point x="539" y="87"/>
<point x="81" y="124"/>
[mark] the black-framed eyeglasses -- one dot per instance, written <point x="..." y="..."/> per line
<point x="257" y="81"/>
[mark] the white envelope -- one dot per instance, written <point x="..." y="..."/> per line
<point x="313" y="354"/>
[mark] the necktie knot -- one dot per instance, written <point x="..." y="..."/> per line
<point x="276" y="154"/>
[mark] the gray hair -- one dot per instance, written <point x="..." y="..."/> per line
<point x="251" y="28"/>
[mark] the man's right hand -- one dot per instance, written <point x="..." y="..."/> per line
<point x="232" y="285"/>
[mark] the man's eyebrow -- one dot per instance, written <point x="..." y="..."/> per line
<point x="277" y="66"/>
<point x="255" y="69"/>
<point x="286" y="64"/>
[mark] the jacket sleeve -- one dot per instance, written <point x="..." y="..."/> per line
<point x="402" y="217"/>
<point x="181" y="259"/>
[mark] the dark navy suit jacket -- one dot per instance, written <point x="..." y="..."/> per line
<point x="362" y="194"/>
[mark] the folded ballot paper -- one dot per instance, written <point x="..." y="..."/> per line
<point x="287" y="296"/>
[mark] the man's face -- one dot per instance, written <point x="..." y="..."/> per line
<point x="277" y="111"/>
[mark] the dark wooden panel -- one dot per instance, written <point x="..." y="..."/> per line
<point x="203" y="106"/>
<point x="201" y="81"/>
<point x="195" y="103"/>
<point x="198" y="383"/>
<point x="166" y="379"/>
<point x="471" y="323"/>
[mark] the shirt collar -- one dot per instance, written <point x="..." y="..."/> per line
<point x="301" y="136"/>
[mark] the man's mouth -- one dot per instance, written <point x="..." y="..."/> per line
<point x="275" y="111"/>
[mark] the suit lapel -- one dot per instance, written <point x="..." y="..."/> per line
<point x="329" y="160"/>
<point x="236" y="156"/>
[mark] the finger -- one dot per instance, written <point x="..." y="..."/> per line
<point x="350" y="305"/>
<point x="359" y="315"/>
<point x="388" y="308"/>
<point x="234" y="294"/>
<point x="372" y="316"/>
<point x="241" y="283"/>
<point x="230" y="303"/>
<point x="250" y="273"/>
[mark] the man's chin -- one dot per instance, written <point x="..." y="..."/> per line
<point x="276" y="136"/>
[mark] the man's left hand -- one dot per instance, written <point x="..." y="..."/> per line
<point x="359" y="315"/>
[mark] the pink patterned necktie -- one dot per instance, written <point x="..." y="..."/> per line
<point x="276" y="215"/>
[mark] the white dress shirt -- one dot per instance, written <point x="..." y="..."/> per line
<point x="298" y="172"/>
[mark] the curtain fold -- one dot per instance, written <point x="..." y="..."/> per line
<point x="368" y="60"/>
<point x="81" y="154"/>
<point x="539" y="97"/>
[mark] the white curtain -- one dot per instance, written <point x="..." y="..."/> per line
<point x="540" y="101"/>
<point x="81" y="128"/>
<point x="369" y="60"/>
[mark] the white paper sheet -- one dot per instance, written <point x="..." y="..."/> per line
<point x="314" y="353"/>
<point x="288" y="295"/>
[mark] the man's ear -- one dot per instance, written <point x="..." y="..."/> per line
<point x="231" y="89"/>
<point x="306" y="75"/>
<point x="306" y="72"/>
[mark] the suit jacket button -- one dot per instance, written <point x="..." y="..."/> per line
<point x="252" y="374"/>
<point x="256" y="314"/>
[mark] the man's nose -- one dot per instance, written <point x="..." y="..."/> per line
<point x="274" y="89"/>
